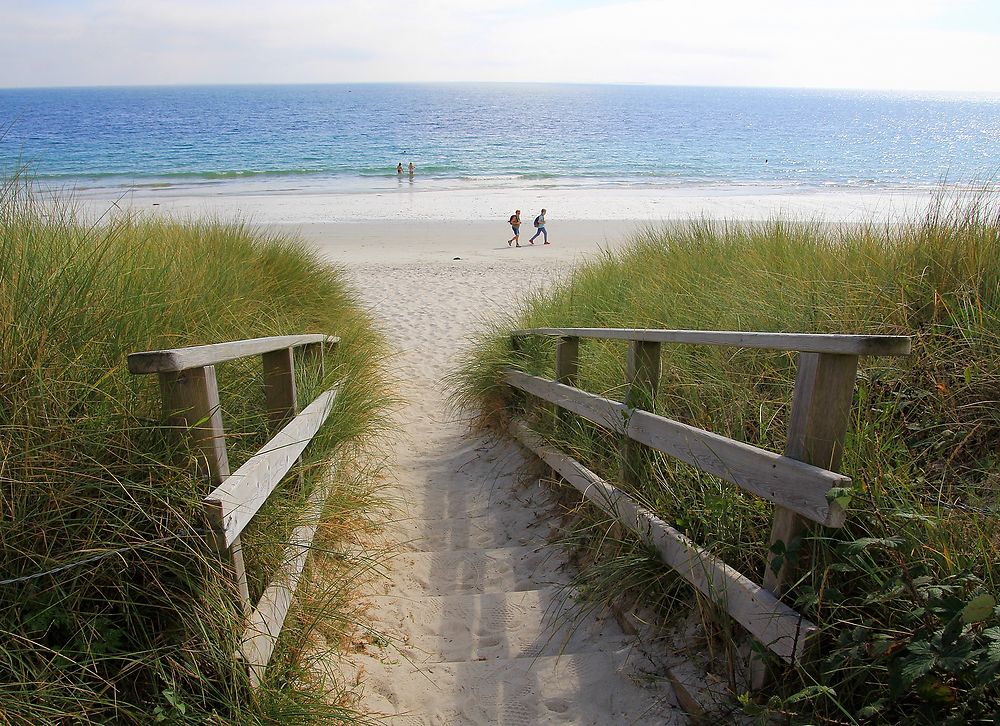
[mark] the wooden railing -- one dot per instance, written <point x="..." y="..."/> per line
<point x="190" y="397"/>
<point x="803" y="482"/>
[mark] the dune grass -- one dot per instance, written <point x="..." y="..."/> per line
<point x="906" y="592"/>
<point x="140" y="626"/>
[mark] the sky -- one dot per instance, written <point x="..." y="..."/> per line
<point x="946" y="45"/>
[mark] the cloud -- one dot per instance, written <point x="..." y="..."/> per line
<point x="920" y="44"/>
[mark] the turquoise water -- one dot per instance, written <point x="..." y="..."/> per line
<point x="347" y="134"/>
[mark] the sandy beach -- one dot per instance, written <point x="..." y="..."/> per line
<point x="418" y="243"/>
<point x="475" y="621"/>
<point x="426" y="200"/>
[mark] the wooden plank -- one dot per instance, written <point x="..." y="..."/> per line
<point x="784" y="631"/>
<point x="279" y="387"/>
<point x="179" y="359"/>
<point x="793" y="484"/>
<point x="191" y="403"/>
<point x="893" y="345"/>
<point x="246" y="490"/>
<point x="642" y="378"/>
<point x="268" y="616"/>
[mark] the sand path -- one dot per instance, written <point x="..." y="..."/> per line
<point x="471" y="599"/>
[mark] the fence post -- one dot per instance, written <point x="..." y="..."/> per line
<point x="191" y="402"/>
<point x="643" y="379"/>
<point x="279" y="387"/>
<point x="280" y="396"/>
<point x="567" y="360"/>
<point x="567" y="367"/>
<point x="817" y="426"/>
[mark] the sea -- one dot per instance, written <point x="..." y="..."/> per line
<point x="353" y="136"/>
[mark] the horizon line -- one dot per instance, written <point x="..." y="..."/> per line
<point x="252" y="84"/>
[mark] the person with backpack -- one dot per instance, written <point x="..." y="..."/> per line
<point x="540" y="228"/>
<point x="515" y="224"/>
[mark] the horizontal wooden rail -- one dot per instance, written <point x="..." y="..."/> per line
<point x="268" y="616"/>
<point x="795" y="485"/>
<point x="784" y="631"/>
<point x="234" y="503"/>
<point x="890" y="345"/>
<point x="197" y="356"/>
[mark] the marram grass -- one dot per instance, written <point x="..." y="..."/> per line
<point x="147" y="632"/>
<point x="906" y="592"/>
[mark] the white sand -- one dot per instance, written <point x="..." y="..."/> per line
<point x="482" y="247"/>
<point x="293" y="201"/>
<point x="471" y="598"/>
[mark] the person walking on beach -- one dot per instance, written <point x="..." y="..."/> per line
<point x="515" y="224"/>
<point x="412" y="168"/>
<point x="540" y="228"/>
<point x="399" y="168"/>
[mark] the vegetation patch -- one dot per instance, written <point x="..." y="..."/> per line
<point x="906" y="593"/>
<point x="112" y="607"/>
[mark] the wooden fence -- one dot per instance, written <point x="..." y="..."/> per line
<point x="190" y="397"/>
<point x="803" y="482"/>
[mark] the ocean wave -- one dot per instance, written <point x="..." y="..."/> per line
<point x="373" y="179"/>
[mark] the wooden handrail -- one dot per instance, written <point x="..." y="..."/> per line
<point x="235" y="501"/>
<point x="773" y="623"/>
<point x="795" y="485"/>
<point x="191" y="407"/>
<point x="197" y="356"/>
<point x="888" y="345"/>
<point x="804" y="483"/>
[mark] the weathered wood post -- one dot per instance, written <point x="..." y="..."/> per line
<point x="516" y="348"/>
<point x="191" y="403"/>
<point x="279" y="387"/>
<point x="280" y="395"/>
<point x="567" y="368"/>
<point x="642" y="377"/>
<point x="817" y="427"/>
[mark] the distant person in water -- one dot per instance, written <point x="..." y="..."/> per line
<point x="515" y="224"/>
<point x="540" y="228"/>
<point x="399" y="168"/>
<point x="412" y="168"/>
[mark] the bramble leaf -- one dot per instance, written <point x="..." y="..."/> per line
<point x="935" y="691"/>
<point x="916" y="665"/>
<point x="852" y="548"/>
<point x="978" y="609"/>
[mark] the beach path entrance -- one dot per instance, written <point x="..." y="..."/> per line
<point x="479" y="625"/>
